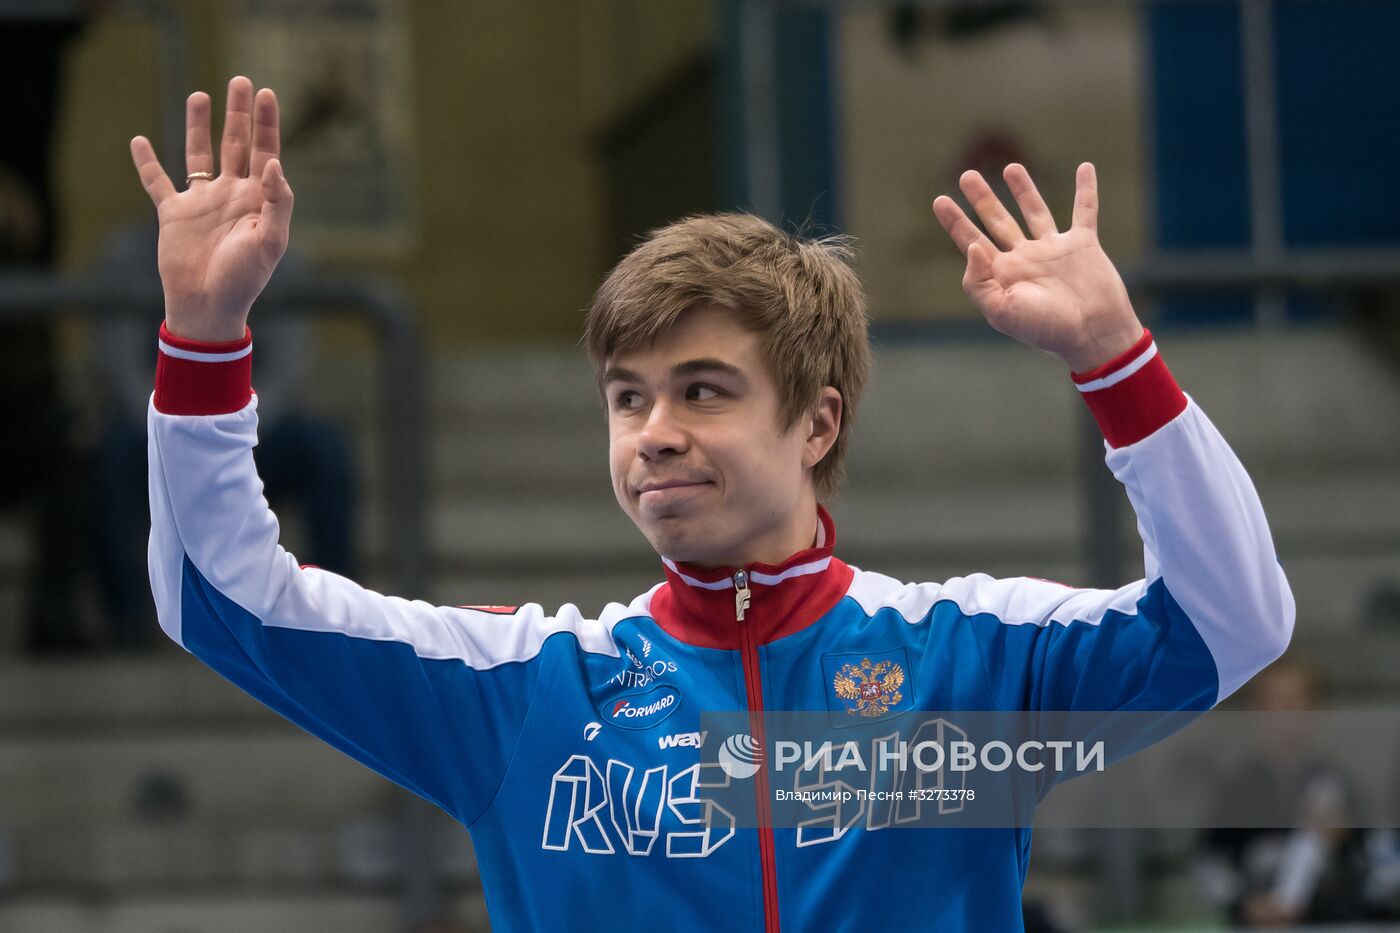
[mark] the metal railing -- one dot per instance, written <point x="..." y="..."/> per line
<point x="400" y="391"/>
<point x="401" y="407"/>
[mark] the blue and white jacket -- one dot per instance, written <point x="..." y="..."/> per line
<point x="567" y="745"/>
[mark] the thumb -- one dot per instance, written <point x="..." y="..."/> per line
<point x="979" y="283"/>
<point x="979" y="268"/>
<point x="276" y="214"/>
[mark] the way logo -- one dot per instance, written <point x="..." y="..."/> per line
<point x="641" y="710"/>
<point x="682" y="740"/>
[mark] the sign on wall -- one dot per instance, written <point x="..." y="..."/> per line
<point x="341" y="69"/>
<point x="927" y="93"/>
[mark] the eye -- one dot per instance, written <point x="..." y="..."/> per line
<point x="702" y="393"/>
<point x="626" y="399"/>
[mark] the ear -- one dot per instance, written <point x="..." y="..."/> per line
<point x="824" y="426"/>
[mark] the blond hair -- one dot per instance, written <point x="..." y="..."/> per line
<point x="800" y="294"/>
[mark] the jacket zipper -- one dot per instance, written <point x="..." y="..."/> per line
<point x="743" y="599"/>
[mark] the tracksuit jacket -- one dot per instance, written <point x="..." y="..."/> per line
<point x="569" y="746"/>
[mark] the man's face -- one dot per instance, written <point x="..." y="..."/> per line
<point x="699" y="458"/>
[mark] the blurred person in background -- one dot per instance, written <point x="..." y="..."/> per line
<point x="42" y="477"/>
<point x="303" y="458"/>
<point x="1318" y="871"/>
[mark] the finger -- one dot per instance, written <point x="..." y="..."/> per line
<point x="233" y="153"/>
<point x="993" y="214"/>
<point x="153" y="177"/>
<point x="267" y="141"/>
<point x="1038" y="219"/>
<point x="199" y="153"/>
<point x="275" y="219"/>
<point x="979" y="269"/>
<point x="1086" y="198"/>
<point x="981" y="285"/>
<point x="963" y="231"/>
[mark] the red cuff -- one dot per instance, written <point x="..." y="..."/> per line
<point x="196" y="378"/>
<point x="1132" y="395"/>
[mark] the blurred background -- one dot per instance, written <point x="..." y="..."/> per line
<point x="466" y="174"/>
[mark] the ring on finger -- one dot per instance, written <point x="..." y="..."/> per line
<point x="198" y="176"/>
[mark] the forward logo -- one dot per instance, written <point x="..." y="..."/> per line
<point x="640" y="710"/>
<point x="625" y="708"/>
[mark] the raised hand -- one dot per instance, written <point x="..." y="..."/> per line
<point x="221" y="238"/>
<point x="1055" y="291"/>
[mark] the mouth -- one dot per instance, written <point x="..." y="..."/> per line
<point x="669" y="484"/>
<point x="665" y="495"/>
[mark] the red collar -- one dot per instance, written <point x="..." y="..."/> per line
<point x="698" y="606"/>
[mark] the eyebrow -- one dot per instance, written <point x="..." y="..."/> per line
<point x="680" y="371"/>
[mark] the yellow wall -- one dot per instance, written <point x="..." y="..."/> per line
<point x="506" y="97"/>
<point x="1066" y="87"/>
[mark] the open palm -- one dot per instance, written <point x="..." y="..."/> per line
<point x="1055" y="291"/>
<point x="220" y="239"/>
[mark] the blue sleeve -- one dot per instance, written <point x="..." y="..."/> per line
<point x="1212" y="609"/>
<point x="433" y="698"/>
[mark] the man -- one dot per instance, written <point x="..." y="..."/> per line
<point x="1318" y="867"/>
<point x="731" y="356"/>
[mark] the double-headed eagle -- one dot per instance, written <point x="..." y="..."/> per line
<point x="873" y="687"/>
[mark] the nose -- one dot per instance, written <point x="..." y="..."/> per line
<point x="662" y="434"/>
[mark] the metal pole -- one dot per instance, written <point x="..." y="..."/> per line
<point x="1102" y="508"/>
<point x="421" y="897"/>
<point x="389" y="313"/>
<point x="175" y="82"/>
<point x="762" y="157"/>
<point x="1117" y="889"/>
<point x="401" y="414"/>
<point x="401" y="422"/>
<point x="1311" y="268"/>
<point x="1261" y="129"/>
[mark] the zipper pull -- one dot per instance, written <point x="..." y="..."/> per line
<point x="742" y="596"/>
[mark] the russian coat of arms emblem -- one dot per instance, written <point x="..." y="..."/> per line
<point x="870" y="689"/>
